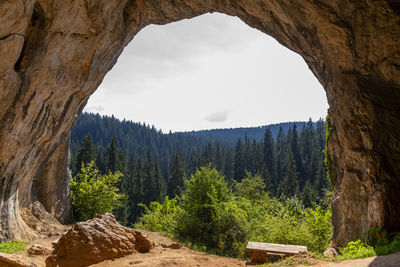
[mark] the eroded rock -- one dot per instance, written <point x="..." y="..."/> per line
<point x="101" y="238"/>
<point x="37" y="249"/>
<point x="10" y="260"/>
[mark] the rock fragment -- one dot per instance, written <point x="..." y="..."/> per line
<point x="95" y="240"/>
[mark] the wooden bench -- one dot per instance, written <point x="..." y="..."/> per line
<point x="259" y="252"/>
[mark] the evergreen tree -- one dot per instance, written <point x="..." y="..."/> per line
<point x="295" y="149"/>
<point x="101" y="161"/>
<point x="176" y="179"/>
<point x="280" y="156"/>
<point x="137" y="195"/>
<point x="114" y="162"/>
<point x="218" y="157"/>
<point x="309" y="194"/>
<point x="229" y="165"/>
<point x="269" y="158"/>
<point x="239" y="167"/>
<point x="159" y="184"/>
<point x="290" y="184"/>
<point x="86" y="153"/>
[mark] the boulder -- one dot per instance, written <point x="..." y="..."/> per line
<point x="331" y="252"/>
<point x="38" y="249"/>
<point x="10" y="260"/>
<point x="95" y="240"/>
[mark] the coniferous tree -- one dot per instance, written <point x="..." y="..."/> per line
<point x="280" y="156"/>
<point x="246" y="154"/>
<point x="160" y="186"/>
<point x="114" y="161"/>
<point x="229" y="165"/>
<point x="218" y="157"/>
<point x="86" y="153"/>
<point x="295" y="150"/>
<point x="290" y="184"/>
<point x="176" y="179"/>
<point x="239" y="167"/>
<point x="309" y="194"/>
<point x="137" y="191"/>
<point x="101" y="161"/>
<point x="269" y="158"/>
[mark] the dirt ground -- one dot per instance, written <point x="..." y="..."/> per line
<point x="162" y="256"/>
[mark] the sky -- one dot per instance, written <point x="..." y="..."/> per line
<point x="212" y="71"/>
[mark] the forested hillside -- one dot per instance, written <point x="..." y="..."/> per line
<point x="155" y="164"/>
<point x="231" y="135"/>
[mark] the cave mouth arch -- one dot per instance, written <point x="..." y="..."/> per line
<point x="50" y="69"/>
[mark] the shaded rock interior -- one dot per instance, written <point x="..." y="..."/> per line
<point x="55" y="54"/>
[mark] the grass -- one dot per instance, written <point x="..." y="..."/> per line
<point x="12" y="246"/>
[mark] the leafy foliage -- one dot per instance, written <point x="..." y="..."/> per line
<point x="357" y="249"/>
<point x="209" y="217"/>
<point x="160" y="217"/>
<point x="12" y="246"/>
<point x="94" y="193"/>
<point x="388" y="247"/>
<point x="212" y="217"/>
<point x="251" y="187"/>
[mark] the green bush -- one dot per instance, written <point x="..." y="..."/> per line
<point x="160" y="217"/>
<point x="209" y="218"/>
<point x="94" y="193"/>
<point x="355" y="250"/>
<point x="214" y="219"/>
<point x="318" y="223"/>
<point x="12" y="246"/>
<point x="389" y="247"/>
<point x="251" y="187"/>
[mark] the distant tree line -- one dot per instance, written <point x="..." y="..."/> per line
<point x="155" y="165"/>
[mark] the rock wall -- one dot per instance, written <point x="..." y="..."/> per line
<point x="55" y="54"/>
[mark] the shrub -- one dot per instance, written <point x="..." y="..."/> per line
<point x="209" y="218"/>
<point x="94" y="193"/>
<point x="357" y="249"/>
<point x="212" y="219"/>
<point x="318" y="222"/>
<point x="160" y="217"/>
<point x="12" y="246"/>
<point x="389" y="247"/>
<point x="251" y="187"/>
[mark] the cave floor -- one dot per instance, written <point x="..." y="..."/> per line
<point x="185" y="257"/>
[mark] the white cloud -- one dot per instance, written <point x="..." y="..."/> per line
<point x="219" y="116"/>
<point x="95" y="109"/>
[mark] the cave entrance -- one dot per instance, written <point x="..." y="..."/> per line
<point x="52" y="67"/>
<point x="212" y="72"/>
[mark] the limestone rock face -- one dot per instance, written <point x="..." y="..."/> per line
<point x="101" y="238"/>
<point x="55" y="54"/>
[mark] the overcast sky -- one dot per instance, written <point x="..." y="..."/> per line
<point x="212" y="71"/>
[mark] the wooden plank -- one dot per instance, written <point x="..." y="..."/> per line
<point x="275" y="248"/>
